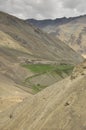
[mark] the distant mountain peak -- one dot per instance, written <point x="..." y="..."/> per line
<point x="70" y="30"/>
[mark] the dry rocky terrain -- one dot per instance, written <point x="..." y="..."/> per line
<point x="60" y="105"/>
<point x="71" y="30"/>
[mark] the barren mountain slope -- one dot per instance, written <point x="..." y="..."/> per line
<point x="72" y="31"/>
<point x="74" y="34"/>
<point x="36" y="44"/>
<point x="61" y="106"/>
<point x="10" y="93"/>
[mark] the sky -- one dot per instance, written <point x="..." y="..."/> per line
<point x="43" y="9"/>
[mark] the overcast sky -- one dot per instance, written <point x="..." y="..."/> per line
<point x="43" y="9"/>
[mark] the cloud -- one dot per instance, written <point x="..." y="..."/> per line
<point x="42" y="9"/>
<point x="79" y="5"/>
<point x="71" y="4"/>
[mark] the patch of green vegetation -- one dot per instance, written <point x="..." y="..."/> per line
<point x="64" y="68"/>
<point x="39" y="68"/>
<point x="43" y="68"/>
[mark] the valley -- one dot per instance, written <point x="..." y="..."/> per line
<point x="42" y="79"/>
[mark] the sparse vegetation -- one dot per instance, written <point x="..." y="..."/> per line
<point x="49" y="70"/>
<point x="65" y="68"/>
<point x="37" y="88"/>
<point x="32" y="61"/>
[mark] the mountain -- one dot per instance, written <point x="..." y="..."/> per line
<point x="50" y="22"/>
<point x="22" y="45"/>
<point x="35" y="83"/>
<point x="61" y="106"/>
<point x="33" y="42"/>
<point x="71" y="30"/>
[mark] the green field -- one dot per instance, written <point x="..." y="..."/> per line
<point x="51" y="72"/>
<point x="39" y="68"/>
<point x="42" y="68"/>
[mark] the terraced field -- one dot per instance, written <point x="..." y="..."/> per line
<point x="45" y="75"/>
<point x="62" y="106"/>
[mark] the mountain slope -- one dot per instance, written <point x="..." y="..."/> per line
<point x="72" y="31"/>
<point x="61" y="106"/>
<point x="50" y="22"/>
<point x="21" y="43"/>
<point x="34" y="42"/>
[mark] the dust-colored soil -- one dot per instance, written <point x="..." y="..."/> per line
<point x="10" y="93"/>
<point x="72" y="31"/>
<point x="28" y="43"/>
<point x="61" y="106"/>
